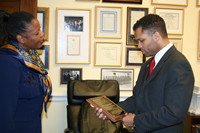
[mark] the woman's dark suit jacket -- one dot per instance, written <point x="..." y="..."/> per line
<point x="21" y="97"/>
<point x="161" y="102"/>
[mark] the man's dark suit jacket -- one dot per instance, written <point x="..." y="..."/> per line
<point x="161" y="102"/>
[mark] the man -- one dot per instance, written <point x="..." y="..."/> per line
<point x="160" y="102"/>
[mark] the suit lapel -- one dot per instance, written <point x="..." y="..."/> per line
<point x="158" y="66"/>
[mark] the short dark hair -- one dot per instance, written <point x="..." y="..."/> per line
<point x="152" y="23"/>
<point x="16" y="23"/>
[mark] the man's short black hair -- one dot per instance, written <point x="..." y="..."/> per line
<point x="152" y="23"/>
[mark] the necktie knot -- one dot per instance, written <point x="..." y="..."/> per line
<point x="151" y="66"/>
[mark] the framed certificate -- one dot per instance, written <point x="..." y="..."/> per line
<point x="108" y="22"/>
<point x="108" y="54"/>
<point x="125" y="1"/>
<point x="174" y="19"/>
<point x="134" y="57"/>
<point x="170" y="2"/>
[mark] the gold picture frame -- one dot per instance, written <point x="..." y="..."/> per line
<point x="108" y="21"/>
<point x="43" y="18"/>
<point x="198" y="2"/>
<point x="177" y="42"/>
<point x="73" y="36"/>
<point x="133" y="14"/>
<point x="170" y="2"/>
<point x="108" y="54"/>
<point x="198" y="48"/>
<point x="174" y="19"/>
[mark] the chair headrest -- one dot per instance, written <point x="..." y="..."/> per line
<point x="79" y="90"/>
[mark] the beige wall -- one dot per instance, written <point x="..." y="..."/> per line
<point x="55" y="120"/>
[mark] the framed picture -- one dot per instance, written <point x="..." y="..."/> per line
<point x="170" y="2"/>
<point x="43" y="18"/>
<point x="108" y="22"/>
<point x="124" y="1"/>
<point x="108" y="54"/>
<point x="174" y="19"/>
<point x="133" y="14"/>
<point x="177" y="42"/>
<point x="44" y="55"/>
<point x="134" y="57"/>
<point x="125" y="77"/>
<point x="67" y="74"/>
<point x="198" y="2"/>
<point x="73" y="36"/>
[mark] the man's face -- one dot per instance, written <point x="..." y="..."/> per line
<point x="147" y="43"/>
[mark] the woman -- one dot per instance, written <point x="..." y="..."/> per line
<point x="24" y="84"/>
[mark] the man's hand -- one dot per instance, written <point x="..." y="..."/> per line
<point x="99" y="113"/>
<point x="128" y="120"/>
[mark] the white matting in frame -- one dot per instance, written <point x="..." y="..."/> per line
<point x="174" y="19"/>
<point x="177" y="42"/>
<point x="108" y="53"/>
<point x="73" y="36"/>
<point x="125" y="77"/>
<point x="170" y="2"/>
<point x="108" y="22"/>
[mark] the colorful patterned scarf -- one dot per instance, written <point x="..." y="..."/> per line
<point x="32" y="60"/>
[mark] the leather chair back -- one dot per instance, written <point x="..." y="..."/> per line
<point x="77" y="93"/>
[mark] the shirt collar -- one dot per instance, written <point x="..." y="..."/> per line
<point x="160" y="54"/>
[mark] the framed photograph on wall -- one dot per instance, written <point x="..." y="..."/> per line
<point x="43" y="18"/>
<point x="177" y="42"/>
<point x="108" y="22"/>
<point x="174" y="19"/>
<point x="134" y="57"/>
<point x="125" y="77"/>
<point x="133" y="14"/>
<point x="73" y="36"/>
<point x="170" y="2"/>
<point x="108" y="54"/>
<point x="44" y="55"/>
<point x="67" y="74"/>
<point x="125" y="1"/>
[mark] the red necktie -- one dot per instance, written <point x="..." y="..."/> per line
<point x="151" y="66"/>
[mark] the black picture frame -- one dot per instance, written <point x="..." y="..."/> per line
<point x="134" y="59"/>
<point x="44" y="55"/>
<point x="67" y="74"/>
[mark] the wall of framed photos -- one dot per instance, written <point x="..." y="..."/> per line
<point x="66" y="55"/>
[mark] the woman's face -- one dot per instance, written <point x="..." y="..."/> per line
<point x="33" y="38"/>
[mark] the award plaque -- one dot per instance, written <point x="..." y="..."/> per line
<point x="110" y="109"/>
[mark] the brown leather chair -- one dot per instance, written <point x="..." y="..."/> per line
<point x="77" y="93"/>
